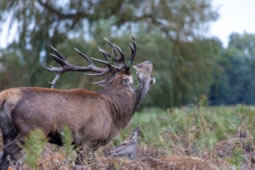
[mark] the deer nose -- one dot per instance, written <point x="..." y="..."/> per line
<point x="148" y="62"/>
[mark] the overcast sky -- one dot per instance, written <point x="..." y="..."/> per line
<point x="235" y="16"/>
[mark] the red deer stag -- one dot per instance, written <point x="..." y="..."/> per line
<point x="94" y="117"/>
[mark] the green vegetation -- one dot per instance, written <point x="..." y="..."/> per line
<point x="67" y="138"/>
<point x="191" y="130"/>
<point x="170" y="33"/>
<point x="33" y="147"/>
<point x="236" y="84"/>
<point x="236" y="158"/>
<point x="205" y="132"/>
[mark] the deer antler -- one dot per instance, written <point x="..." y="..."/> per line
<point x="66" y="66"/>
<point x="113" y="62"/>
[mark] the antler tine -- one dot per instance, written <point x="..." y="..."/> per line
<point x="119" y="59"/>
<point x="101" y="61"/>
<point x="66" y="66"/>
<point x="109" y="61"/>
<point x="105" y="62"/>
<point x="58" y="53"/>
<point x="113" y="48"/>
<point x="53" y="82"/>
<point x="84" y="56"/>
<point x="99" y="74"/>
<point x="122" y="56"/>
<point x="105" y="53"/>
<point x="134" y="43"/>
<point x="133" y="51"/>
<point x="58" y="59"/>
<point x="99" y="82"/>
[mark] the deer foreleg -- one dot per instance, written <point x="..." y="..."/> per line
<point x="3" y="162"/>
<point x="12" y="148"/>
<point x="9" y="134"/>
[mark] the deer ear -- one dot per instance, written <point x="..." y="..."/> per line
<point x="137" y="132"/>
<point x="126" y="82"/>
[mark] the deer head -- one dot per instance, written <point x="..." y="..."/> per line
<point x="127" y="147"/>
<point x="120" y="72"/>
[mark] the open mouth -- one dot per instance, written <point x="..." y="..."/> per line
<point x="152" y="80"/>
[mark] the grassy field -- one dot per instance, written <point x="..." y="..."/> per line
<point x="198" y="132"/>
<point x="199" y="127"/>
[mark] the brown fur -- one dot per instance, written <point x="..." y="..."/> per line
<point x="11" y="97"/>
<point x="94" y="117"/>
<point x="53" y="109"/>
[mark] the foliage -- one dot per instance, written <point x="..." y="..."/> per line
<point x="237" y="158"/>
<point x="194" y="66"/>
<point x="192" y="131"/>
<point x="236" y="83"/>
<point x="67" y="139"/>
<point x="41" y="21"/>
<point x="188" y="131"/>
<point x="168" y="32"/>
<point x="33" y="147"/>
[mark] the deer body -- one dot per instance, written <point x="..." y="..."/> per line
<point x="94" y="117"/>
<point x="51" y="109"/>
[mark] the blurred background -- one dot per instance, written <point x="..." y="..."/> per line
<point x="198" y="47"/>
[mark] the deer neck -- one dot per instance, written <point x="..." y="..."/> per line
<point x="122" y="104"/>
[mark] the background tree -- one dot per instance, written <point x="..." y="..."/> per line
<point x="170" y="33"/>
<point x="236" y="83"/>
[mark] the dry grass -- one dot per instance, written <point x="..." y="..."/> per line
<point x="190" y="139"/>
<point x="53" y="159"/>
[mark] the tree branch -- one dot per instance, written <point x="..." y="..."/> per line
<point x="155" y="21"/>
<point x="63" y="15"/>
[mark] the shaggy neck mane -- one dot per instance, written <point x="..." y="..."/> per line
<point x="122" y="103"/>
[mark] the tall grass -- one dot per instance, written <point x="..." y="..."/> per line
<point x="191" y="130"/>
<point x="33" y="147"/>
<point x="68" y="151"/>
